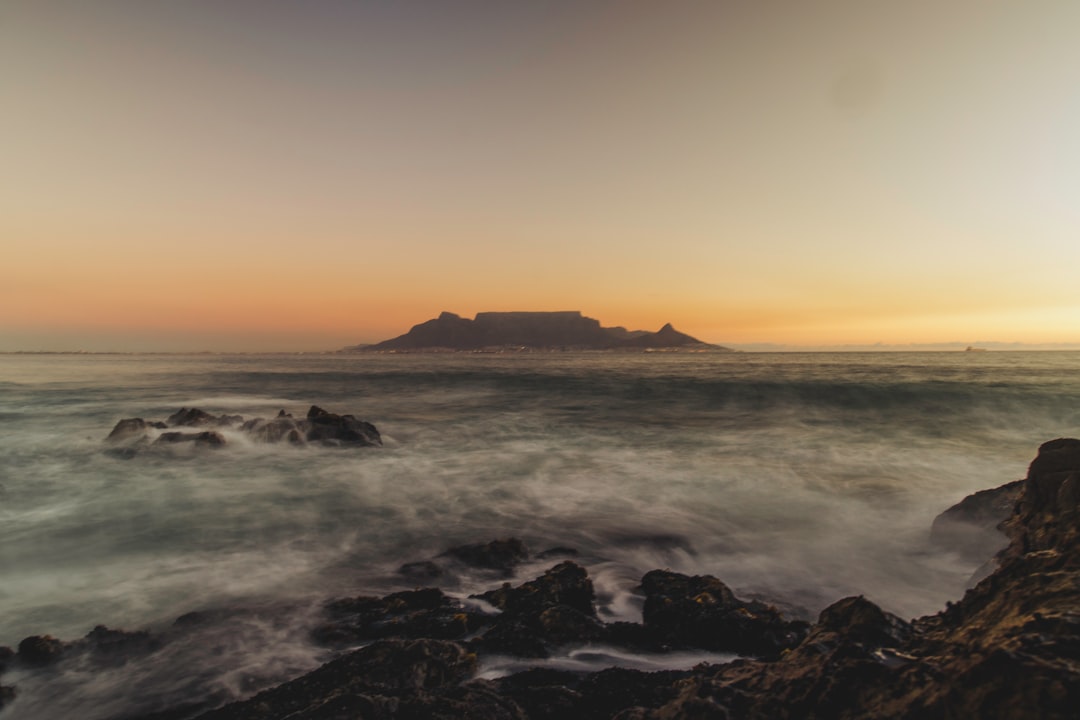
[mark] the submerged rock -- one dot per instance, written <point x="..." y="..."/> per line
<point x="497" y="557"/>
<point x="422" y="571"/>
<point x="501" y="555"/>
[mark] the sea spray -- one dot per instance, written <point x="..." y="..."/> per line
<point x="798" y="479"/>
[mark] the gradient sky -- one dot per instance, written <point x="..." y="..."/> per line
<point x="271" y="175"/>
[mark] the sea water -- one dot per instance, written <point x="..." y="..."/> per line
<point x="795" y="478"/>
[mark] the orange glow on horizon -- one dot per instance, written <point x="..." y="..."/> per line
<point x="854" y="174"/>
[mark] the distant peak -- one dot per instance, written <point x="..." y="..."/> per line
<point x="667" y="328"/>
<point x="449" y="316"/>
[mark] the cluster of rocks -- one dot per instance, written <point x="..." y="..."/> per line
<point x="201" y="429"/>
<point x="1010" y="648"/>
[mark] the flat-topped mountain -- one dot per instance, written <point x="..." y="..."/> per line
<point x="532" y="330"/>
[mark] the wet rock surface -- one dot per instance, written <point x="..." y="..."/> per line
<point x="203" y="430"/>
<point x="703" y="612"/>
<point x="1010" y="648"/>
<point x="972" y="527"/>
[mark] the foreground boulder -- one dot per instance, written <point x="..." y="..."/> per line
<point x="131" y="435"/>
<point x="703" y="612"/>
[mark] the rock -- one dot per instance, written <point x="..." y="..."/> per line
<point x="553" y="610"/>
<point x="422" y="571"/>
<point x="610" y="691"/>
<point x="1009" y="649"/>
<point x="389" y="679"/>
<point x="7" y="694"/>
<point x="331" y="429"/>
<point x="131" y="435"/>
<point x="500" y="555"/>
<point x="544" y="694"/>
<point x="702" y="612"/>
<point x="861" y="621"/>
<point x="426" y="613"/>
<point x="39" y="650"/>
<point x="557" y="552"/>
<point x="128" y="428"/>
<point x="972" y="526"/>
<point x="207" y="438"/>
<point x="117" y="647"/>
<point x="565" y="584"/>
<point x="1046" y="516"/>
<point x="6" y="656"/>
<point x="280" y="429"/>
<point x="194" y="417"/>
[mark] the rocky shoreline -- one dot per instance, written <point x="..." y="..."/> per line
<point x="1010" y="648"/>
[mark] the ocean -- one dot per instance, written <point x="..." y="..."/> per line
<point x="795" y="478"/>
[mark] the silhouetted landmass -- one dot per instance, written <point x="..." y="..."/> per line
<point x="568" y="330"/>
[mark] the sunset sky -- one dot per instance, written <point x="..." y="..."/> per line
<point x="272" y="175"/>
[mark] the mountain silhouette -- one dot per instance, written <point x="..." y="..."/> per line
<point x="567" y="330"/>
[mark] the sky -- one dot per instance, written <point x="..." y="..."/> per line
<point x="259" y="175"/>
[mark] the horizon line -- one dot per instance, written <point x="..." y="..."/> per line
<point x="763" y="347"/>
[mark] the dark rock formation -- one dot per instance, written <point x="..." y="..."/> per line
<point x="497" y="557"/>
<point x="101" y="647"/>
<point x="421" y="571"/>
<point x="553" y="610"/>
<point x="6" y="656"/>
<point x="426" y="613"/>
<point x="1009" y="649"/>
<point x="331" y="429"/>
<point x="131" y="435"/>
<point x="207" y="438"/>
<point x="500" y="555"/>
<point x="702" y="612"/>
<point x="39" y="650"/>
<point x="972" y="526"/>
<point x="193" y="417"/>
<point x="390" y="679"/>
<point x="535" y="330"/>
